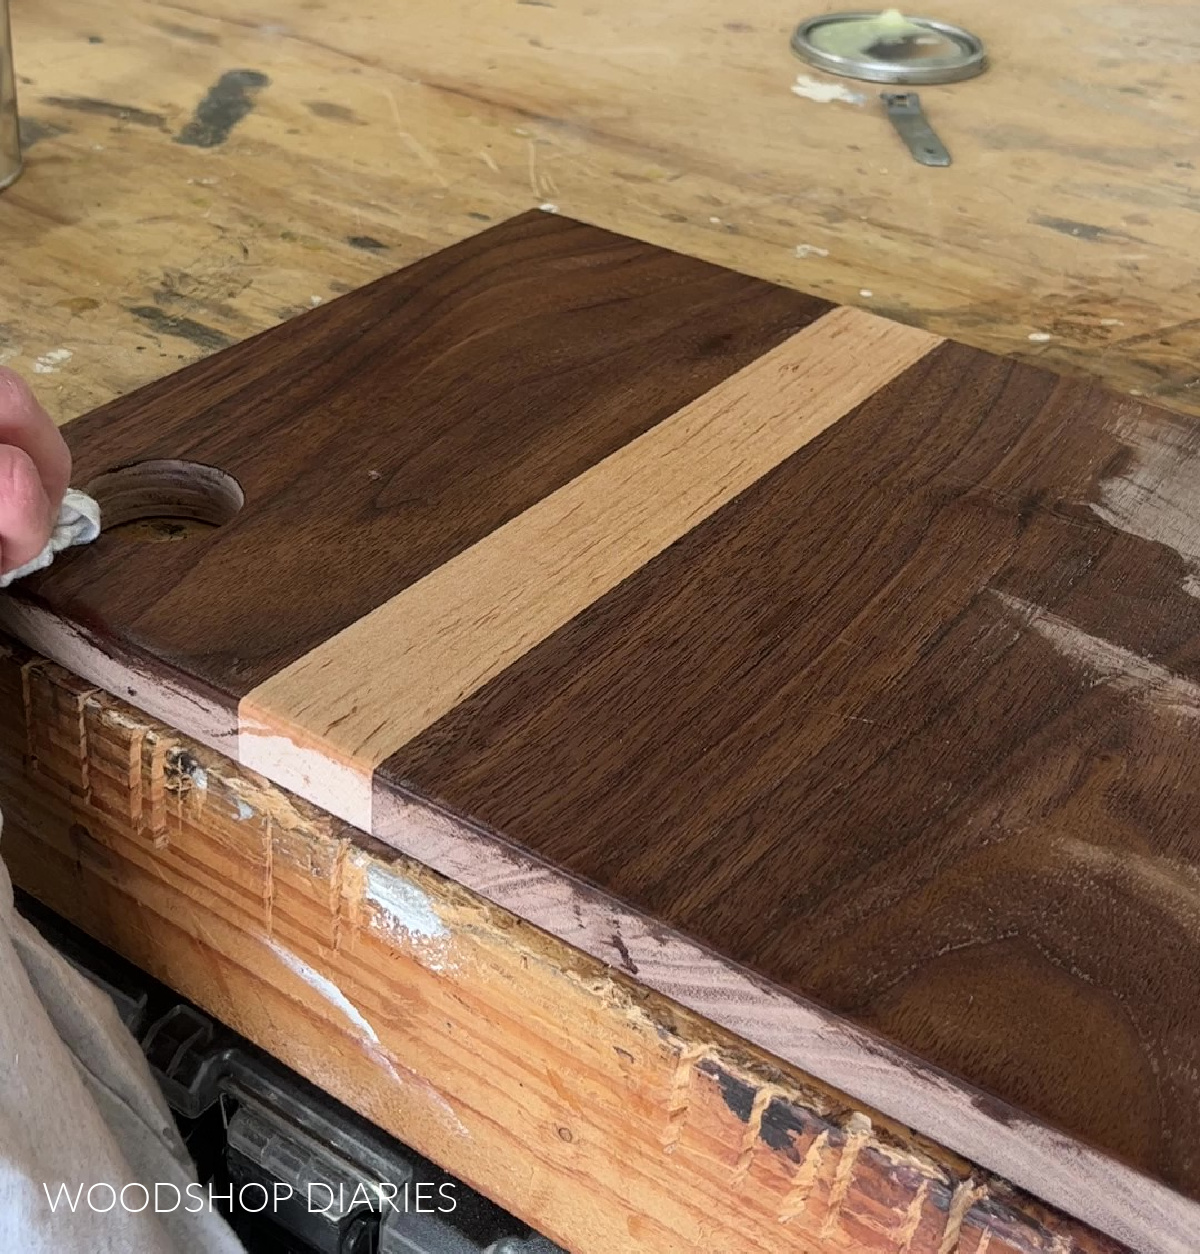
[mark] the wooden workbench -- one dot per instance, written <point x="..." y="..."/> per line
<point x="268" y="161"/>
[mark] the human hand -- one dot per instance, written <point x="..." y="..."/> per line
<point x="35" y="469"/>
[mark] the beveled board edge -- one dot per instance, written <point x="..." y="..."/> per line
<point x="1064" y="1172"/>
<point x="137" y="680"/>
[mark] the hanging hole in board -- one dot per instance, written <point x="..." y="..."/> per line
<point x="165" y="500"/>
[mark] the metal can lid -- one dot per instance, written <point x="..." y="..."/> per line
<point x="888" y="47"/>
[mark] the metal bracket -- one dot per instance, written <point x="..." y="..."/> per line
<point x="906" y="115"/>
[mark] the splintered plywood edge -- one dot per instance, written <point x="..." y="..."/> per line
<point x="600" y="1112"/>
<point x="323" y="724"/>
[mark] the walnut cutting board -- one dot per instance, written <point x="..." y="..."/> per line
<point x="840" y="682"/>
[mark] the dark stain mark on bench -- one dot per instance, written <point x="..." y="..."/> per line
<point x="226" y="103"/>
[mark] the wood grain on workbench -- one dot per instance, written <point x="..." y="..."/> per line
<point x="862" y="678"/>
<point x="198" y="172"/>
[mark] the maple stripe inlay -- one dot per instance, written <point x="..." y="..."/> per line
<point x="322" y="725"/>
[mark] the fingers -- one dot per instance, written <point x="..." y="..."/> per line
<point x="26" y="425"/>
<point x="35" y="468"/>
<point x="26" y="513"/>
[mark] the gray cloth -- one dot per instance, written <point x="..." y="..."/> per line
<point x="79" y="1108"/>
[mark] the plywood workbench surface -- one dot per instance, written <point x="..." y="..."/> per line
<point x="341" y="150"/>
<point x="338" y="141"/>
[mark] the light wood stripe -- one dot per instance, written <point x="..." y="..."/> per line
<point x="321" y="726"/>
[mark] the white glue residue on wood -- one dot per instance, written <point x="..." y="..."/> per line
<point x="404" y="911"/>
<point x="1113" y="665"/>
<point x="49" y="363"/>
<point x="1156" y="495"/>
<point x="825" y="93"/>
<point x="327" y="989"/>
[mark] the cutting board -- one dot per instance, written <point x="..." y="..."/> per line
<point x="838" y="681"/>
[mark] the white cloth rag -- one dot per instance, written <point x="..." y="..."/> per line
<point x="78" y="523"/>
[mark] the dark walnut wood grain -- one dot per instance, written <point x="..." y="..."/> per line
<point x="866" y="730"/>
<point x="910" y="728"/>
<point x="377" y="436"/>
